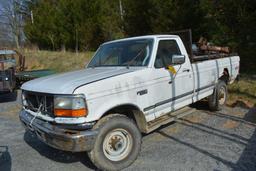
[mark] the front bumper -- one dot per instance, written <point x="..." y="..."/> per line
<point x="58" y="137"/>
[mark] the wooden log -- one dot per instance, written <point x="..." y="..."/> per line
<point x="203" y="45"/>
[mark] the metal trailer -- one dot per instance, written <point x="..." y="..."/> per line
<point x="12" y="71"/>
<point x="7" y="71"/>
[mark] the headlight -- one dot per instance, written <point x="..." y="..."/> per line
<point x="70" y="106"/>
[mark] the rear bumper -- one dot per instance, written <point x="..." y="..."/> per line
<point x="5" y="87"/>
<point x="57" y="136"/>
<point x="4" y="91"/>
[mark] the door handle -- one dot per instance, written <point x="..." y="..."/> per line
<point x="185" y="70"/>
<point x="142" y="92"/>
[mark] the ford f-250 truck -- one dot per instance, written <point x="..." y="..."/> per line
<point x="131" y="86"/>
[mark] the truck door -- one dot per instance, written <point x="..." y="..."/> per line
<point x="174" y="90"/>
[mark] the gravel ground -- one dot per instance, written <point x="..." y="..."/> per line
<point x="204" y="140"/>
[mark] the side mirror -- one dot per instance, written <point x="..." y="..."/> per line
<point x="178" y="59"/>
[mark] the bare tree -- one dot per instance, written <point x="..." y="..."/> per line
<point x="5" y="36"/>
<point x="11" y="16"/>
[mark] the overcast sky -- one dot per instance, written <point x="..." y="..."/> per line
<point x="2" y="2"/>
<point x="5" y="32"/>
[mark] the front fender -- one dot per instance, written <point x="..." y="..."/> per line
<point x="99" y="106"/>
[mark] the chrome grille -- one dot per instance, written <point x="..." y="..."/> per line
<point x="35" y="100"/>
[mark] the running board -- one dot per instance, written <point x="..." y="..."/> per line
<point x="167" y="118"/>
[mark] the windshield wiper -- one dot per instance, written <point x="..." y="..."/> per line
<point x="94" y="66"/>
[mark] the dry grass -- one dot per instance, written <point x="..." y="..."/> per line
<point x="229" y="124"/>
<point x="243" y="92"/>
<point x="57" y="61"/>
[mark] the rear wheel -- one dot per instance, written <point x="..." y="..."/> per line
<point x="218" y="99"/>
<point x="117" y="144"/>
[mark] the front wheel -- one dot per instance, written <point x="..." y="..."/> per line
<point x="117" y="144"/>
<point x="218" y="99"/>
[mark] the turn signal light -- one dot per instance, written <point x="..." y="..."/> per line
<point x="70" y="113"/>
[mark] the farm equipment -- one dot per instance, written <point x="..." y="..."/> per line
<point x="7" y="71"/>
<point x="24" y="76"/>
<point x="12" y="71"/>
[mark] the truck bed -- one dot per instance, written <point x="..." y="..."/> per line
<point x="194" y="52"/>
<point x="196" y="58"/>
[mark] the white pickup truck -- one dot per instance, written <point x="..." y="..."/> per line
<point x="131" y="86"/>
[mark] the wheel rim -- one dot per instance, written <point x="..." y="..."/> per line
<point x="117" y="144"/>
<point x="222" y="95"/>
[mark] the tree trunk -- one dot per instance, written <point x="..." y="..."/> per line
<point x="52" y="41"/>
<point x="63" y="48"/>
<point x="76" y="42"/>
<point x="17" y="41"/>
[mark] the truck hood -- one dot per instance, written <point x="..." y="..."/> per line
<point x="66" y="83"/>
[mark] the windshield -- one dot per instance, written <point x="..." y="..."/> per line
<point x="124" y="53"/>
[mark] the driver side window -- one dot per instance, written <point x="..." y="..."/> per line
<point x="166" y="49"/>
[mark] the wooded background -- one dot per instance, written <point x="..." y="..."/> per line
<point x="82" y="25"/>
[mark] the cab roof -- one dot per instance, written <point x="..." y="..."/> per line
<point x="144" y="37"/>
